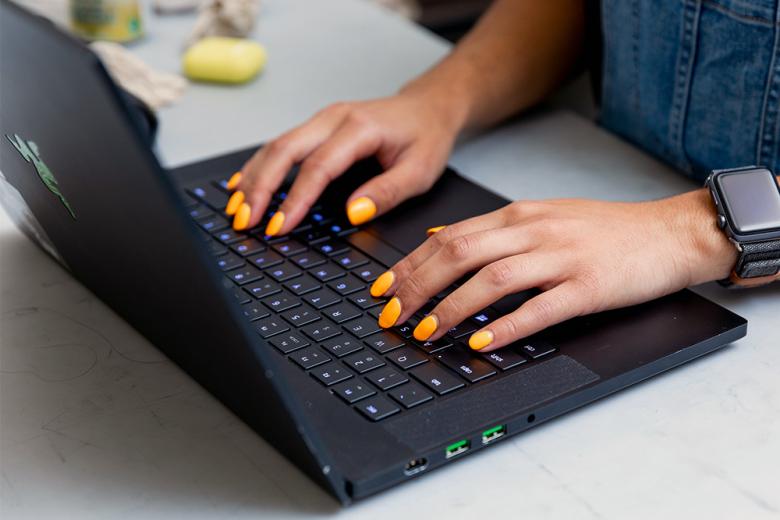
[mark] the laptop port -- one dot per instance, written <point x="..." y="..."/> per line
<point x="415" y="466"/>
<point x="456" y="448"/>
<point x="493" y="433"/>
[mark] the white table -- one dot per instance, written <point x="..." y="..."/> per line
<point x="96" y="423"/>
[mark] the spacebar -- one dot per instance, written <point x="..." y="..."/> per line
<point x="375" y="248"/>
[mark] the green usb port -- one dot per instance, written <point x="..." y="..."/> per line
<point x="493" y="434"/>
<point x="457" y="448"/>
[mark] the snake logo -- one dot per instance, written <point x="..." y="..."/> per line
<point x="29" y="152"/>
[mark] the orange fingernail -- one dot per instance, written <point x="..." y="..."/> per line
<point x="234" y="180"/>
<point x="390" y="313"/>
<point x="234" y="202"/>
<point x="481" y="339"/>
<point x="434" y="230"/>
<point x="426" y="328"/>
<point x="382" y="284"/>
<point x="361" y="210"/>
<point x="275" y="224"/>
<point x="241" y="219"/>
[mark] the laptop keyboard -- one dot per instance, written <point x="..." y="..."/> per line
<point x="307" y="295"/>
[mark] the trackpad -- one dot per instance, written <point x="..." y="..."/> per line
<point x="493" y="402"/>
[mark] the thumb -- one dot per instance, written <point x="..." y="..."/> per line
<point x="386" y="191"/>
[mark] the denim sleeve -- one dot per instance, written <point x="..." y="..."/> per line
<point x="693" y="82"/>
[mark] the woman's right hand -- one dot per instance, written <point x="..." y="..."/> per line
<point x="411" y="134"/>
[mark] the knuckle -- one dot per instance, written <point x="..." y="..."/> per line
<point x="542" y="310"/>
<point x="279" y="145"/>
<point x="511" y="327"/>
<point x="392" y="191"/>
<point x="413" y="286"/>
<point x="458" y="249"/>
<point x="451" y="309"/>
<point x="499" y="274"/>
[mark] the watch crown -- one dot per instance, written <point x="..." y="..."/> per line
<point x="721" y="221"/>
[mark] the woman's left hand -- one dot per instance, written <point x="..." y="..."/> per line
<point x="586" y="256"/>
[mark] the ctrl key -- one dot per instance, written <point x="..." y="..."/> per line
<point x="377" y="408"/>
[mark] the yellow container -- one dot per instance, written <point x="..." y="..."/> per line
<point x="113" y="20"/>
<point x="223" y="60"/>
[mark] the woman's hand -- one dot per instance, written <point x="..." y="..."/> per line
<point x="586" y="256"/>
<point x="411" y="134"/>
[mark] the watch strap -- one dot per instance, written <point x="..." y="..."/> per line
<point x="758" y="264"/>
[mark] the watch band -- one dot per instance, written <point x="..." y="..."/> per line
<point x="758" y="264"/>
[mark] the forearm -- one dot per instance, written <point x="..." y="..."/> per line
<point x="519" y="51"/>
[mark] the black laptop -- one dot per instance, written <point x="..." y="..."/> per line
<point x="283" y="331"/>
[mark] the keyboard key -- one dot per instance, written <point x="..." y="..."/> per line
<point x="327" y="272"/>
<point x="405" y="330"/>
<point x="386" y="378"/>
<point x="342" y="312"/>
<point x="311" y="235"/>
<point x="465" y="364"/>
<point x="536" y="349"/>
<point x="248" y="246"/>
<point x="300" y="316"/>
<point x="351" y="259"/>
<point x="347" y="285"/>
<point x="212" y="223"/>
<point x="407" y="357"/>
<point x="321" y="330"/>
<point x="362" y="327"/>
<point x="364" y="300"/>
<point x="463" y="329"/>
<point x="342" y="345"/>
<point x="411" y="395"/>
<point x="244" y="275"/>
<point x="364" y="361"/>
<point x="332" y="248"/>
<point x="239" y="295"/>
<point x="254" y="311"/>
<point x="353" y="391"/>
<point x="432" y="346"/>
<point x="504" y="358"/>
<point x="369" y="273"/>
<point x="288" y="342"/>
<point x="385" y="341"/>
<point x="331" y="374"/>
<point x="266" y="259"/>
<point x="302" y="285"/>
<point x="262" y="288"/>
<point x="437" y="378"/>
<point x="309" y="259"/>
<point x="322" y="298"/>
<point x="377" y="408"/>
<point x="485" y="317"/>
<point x="309" y="358"/>
<point x="289" y="247"/>
<point x="283" y="272"/>
<point x="272" y="326"/>
<point x="341" y="229"/>
<point x="229" y="236"/>
<point x="215" y="248"/>
<point x="375" y="312"/>
<point x="200" y="211"/>
<point x="212" y="196"/>
<point x="281" y="301"/>
<point x="229" y="261"/>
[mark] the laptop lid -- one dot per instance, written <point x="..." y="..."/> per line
<point x="80" y="180"/>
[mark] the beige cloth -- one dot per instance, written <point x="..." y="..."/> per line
<point x="153" y="87"/>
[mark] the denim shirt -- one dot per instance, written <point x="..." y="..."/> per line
<point x="694" y="82"/>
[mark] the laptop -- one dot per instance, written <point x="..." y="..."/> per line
<point x="283" y="331"/>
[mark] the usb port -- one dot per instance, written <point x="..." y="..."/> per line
<point x="493" y="434"/>
<point x="457" y="448"/>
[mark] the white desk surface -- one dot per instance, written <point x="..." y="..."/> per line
<point x="96" y="423"/>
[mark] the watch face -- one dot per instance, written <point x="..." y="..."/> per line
<point x="751" y="199"/>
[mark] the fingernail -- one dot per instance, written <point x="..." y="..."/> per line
<point x="234" y="202"/>
<point x="275" y="224"/>
<point x="426" y="328"/>
<point x="233" y="181"/>
<point x="241" y="219"/>
<point x="481" y="339"/>
<point x="382" y="284"/>
<point x="434" y="230"/>
<point x="361" y="210"/>
<point x="390" y="313"/>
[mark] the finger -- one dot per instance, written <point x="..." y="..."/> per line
<point x="509" y="275"/>
<point x="461" y="255"/>
<point x="562" y="302"/>
<point x="265" y="172"/>
<point x="351" y="142"/>
<point x="406" y="179"/>
<point x="392" y="278"/>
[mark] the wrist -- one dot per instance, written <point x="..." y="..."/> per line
<point x="444" y="93"/>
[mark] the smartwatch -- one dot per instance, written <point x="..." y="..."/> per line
<point x="748" y="204"/>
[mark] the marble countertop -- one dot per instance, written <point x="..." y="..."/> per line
<point x="96" y="423"/>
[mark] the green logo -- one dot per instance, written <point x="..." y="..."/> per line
<point x="29" y="152"/>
